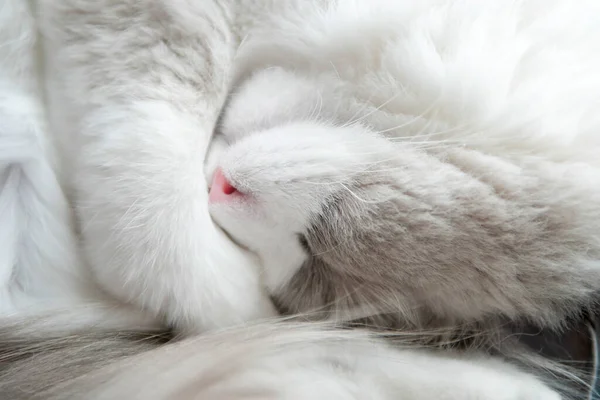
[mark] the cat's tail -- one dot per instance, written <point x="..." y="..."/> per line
<point x="43" y="350"/>
<point x="103" y="355"/>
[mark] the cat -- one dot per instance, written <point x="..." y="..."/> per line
<point x="411" y="161"/>
<point x="134" y="92"/>
<point x="377" y="184"/>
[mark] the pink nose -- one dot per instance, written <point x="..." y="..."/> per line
<point x="220" y="190"/>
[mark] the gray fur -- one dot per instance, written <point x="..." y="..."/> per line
<point x="36" y="363"/>
<point x="429" y="237"/>
<point x="404" y="206"/>
<point x="455" y="245"/>
<point x="34" y="359"/>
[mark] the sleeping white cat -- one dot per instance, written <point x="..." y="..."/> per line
<point x="323" y="90"/>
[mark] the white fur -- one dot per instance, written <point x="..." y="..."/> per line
<point x="302" y="362"/>
<point x="511" y="84"/>
<point x="39" y="262"/>
<point x="137" y="138"/>
<point x="316" y="156"/>
<point x="133" y="120"/>
<point x="505" y="76"/>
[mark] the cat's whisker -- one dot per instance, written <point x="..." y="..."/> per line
<point x="428" y="135"/>
<point x="414" y="119"/>
<point x="357" y="197"/>
<point x="337" y="73"/>
<point x="353" y="121"/>
<point x="317" y="108"/>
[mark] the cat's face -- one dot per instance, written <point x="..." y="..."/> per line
<point x="302" y="195"/>
<point x="291" y="186"/>
<point x="325" y="206"/>
<point x="344" y="219"/>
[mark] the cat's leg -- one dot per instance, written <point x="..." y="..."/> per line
<point x="141" y="84"/>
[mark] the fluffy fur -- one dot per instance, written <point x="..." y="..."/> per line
<point x="393" y="110"/>
<point x="436" y="161"/>
<point x="135" y="90"/>
<point x="36" y="238"/>
<point x="263" y="361"/>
